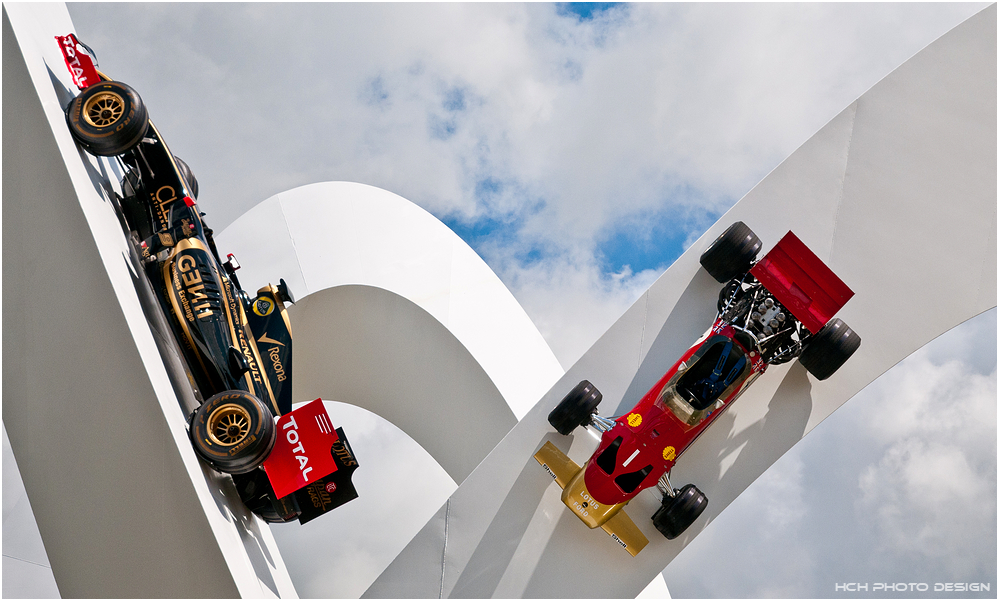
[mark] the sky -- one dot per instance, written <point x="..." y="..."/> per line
<point x="579" y="149"/>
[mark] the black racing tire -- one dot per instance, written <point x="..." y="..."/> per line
<point x="233" y="432"/>
<point x="185" y="170"/>
<point x="576" y="408"/>
<point x="828" y="350"/>
<point x="257" y="494"/>
<point x="732" y="253"/>
<point x="679" y="512"/>
<point x="107" y="118"/>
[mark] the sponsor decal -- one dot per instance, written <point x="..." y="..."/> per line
<point x="160" y="200"/>
<point x="669" y="453"/>
<point x="263" y="307"/>
<point x="549" y="470"/>
<point x="80" y="66"/>
<point x="634" y="420"/>
<point x="192" y="286"/>
<point x="340" y="451"/>
<point x="302" y="454"/>
<point x="264" y="338"/>
<point x="273" y="353"/>
<point x="619" y="541"/>
<point x="330" y="492"/>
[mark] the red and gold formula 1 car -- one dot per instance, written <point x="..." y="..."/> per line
<point x="770" y="311"/>
<point x="237" y="350"/>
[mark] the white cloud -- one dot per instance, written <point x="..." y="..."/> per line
<point x="570" y="298"/>
<point x="647" y="113"/>
<point x="934" y="487"/>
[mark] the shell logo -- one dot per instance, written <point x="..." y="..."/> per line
<point x="669" y="453"/>
<point x="634" y="420"/>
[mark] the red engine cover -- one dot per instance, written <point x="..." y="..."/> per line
<point x="802" y="282"/>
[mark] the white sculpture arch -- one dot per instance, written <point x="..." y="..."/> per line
<point x="865" y="194"/>
<point x="375" y="349"/>
<point x="335" y="233"/>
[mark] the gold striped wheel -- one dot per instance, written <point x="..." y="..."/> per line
<point x="229" y="425"/>
<point x="103" y="109"/>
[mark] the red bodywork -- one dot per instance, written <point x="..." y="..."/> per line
<point x="648" y="439"/>
<point x="802" y="282"/>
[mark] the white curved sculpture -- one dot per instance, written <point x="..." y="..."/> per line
<point x="375" y="349"/>
<point x="93" y="392"/>
<point x="897" y="194"/>
<point x="335" y="233"/>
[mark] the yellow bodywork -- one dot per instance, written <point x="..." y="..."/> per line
<point x="611" y="518"/>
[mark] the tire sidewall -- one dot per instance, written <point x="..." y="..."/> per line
<point x="116" y="138"/>
<point x="732" y="253"/>
<point x="244" y="456"/>
<point x="829" y="349"/>
<point x="679" y="512"/>
<point x="576" y="408"/>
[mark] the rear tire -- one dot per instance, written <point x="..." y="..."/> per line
<point x="732" y="253"/>
<point x="679" y="512"/>
<point x="192" y="182"/>
<point x="829" y="349"/>
<point x="233" y="432"/>
<point x="257" y="494"/>
<point x="108" y="118"/>
<point x="576" y="408"/>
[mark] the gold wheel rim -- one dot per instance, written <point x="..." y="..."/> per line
<point x="229" y="425"/>
<point x="103" y="109"/>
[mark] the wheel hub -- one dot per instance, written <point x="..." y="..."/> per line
<point x="103" y="109"/>
<point x="229" y="425"/>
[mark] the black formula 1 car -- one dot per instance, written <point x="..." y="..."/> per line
<point x="237" y="350"/>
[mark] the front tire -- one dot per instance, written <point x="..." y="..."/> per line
<point x="233" y="432"/>
<point x="829" y="349"/>
<point x="108" y="118"/>
<point x="576" y="408"/>
<point x="732" y="253"/>
<point x="679" y="512"/>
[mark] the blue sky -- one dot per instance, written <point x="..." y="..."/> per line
<point x="578" y="148"/>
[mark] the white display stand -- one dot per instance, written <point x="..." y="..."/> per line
<point x="93" y="394"/>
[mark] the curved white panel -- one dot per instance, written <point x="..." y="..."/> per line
<point x="334" y="233"/>
<point x="897" y="194"/>
<point x="375" y="349"/>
